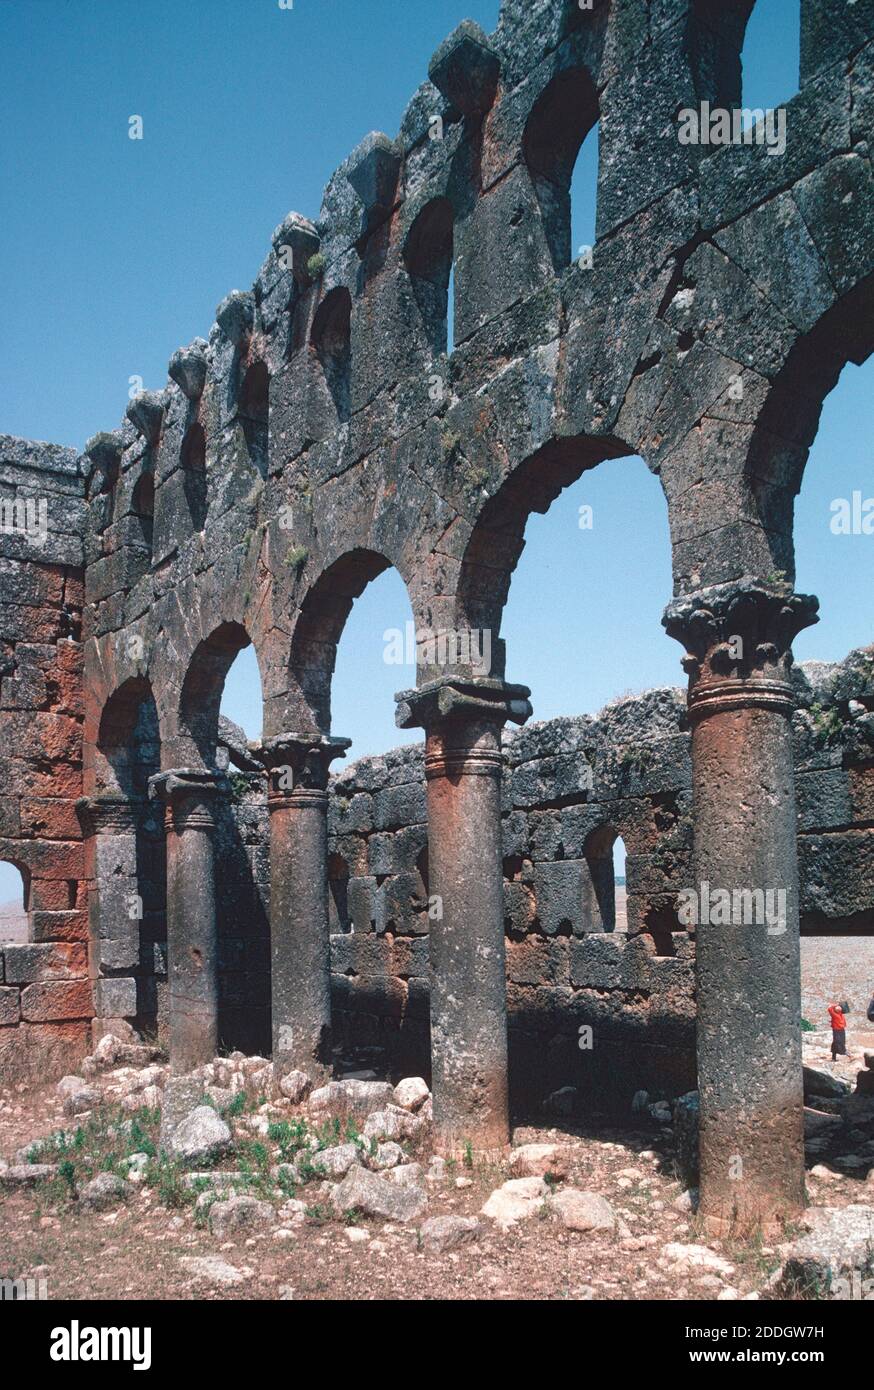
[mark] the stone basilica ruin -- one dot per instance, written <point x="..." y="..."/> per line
<point x="449" y="907"/>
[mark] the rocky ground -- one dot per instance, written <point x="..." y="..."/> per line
<point x="144" y="1186"/>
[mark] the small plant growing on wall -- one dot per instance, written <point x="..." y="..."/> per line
<point x="297" y="558"/>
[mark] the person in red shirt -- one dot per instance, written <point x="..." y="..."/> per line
<point x="837" y="1014"/>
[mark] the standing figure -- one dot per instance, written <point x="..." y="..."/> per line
<point x="837" y="1014"/>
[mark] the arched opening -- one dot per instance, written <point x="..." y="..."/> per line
<point x="193" y="461"/>
<point x="376" y="638"/>
<point x="834" y="519"/>
<point x="331" y="342"/>
<point x="598" y="907"/>
<point x="254" y="412"/>
<point x="14" y="903"/>
<point x="571" y="563"/>
<point x="353" y="649"/>
<point x="130" y="855"/>
<point x="771" y="54"/>
<point x="203" y="688"/>
<point x="584" y="197"/>
<point x="834" y="543"/>
<point x="428" y="256"/>
<point x="620" y="885"/>
<point x="242" y="702"/>
<point x="143" y="505"/>
<point x="128" y="742"/>
<point x="810" y="452"/>
<point x="339" y="916"/>
<point x="561" y="118"/>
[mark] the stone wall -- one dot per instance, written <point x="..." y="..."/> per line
<point x="322" y="432"/>
<point x="45" y="993"/>
<point x="834" y="778"/>
<point x="571" y="786"/>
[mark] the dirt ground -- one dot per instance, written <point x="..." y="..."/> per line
<point x="137" y="1250"/>
<point x="836" y="968"/>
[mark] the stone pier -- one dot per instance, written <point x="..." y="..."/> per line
<point x="189" y="795"/>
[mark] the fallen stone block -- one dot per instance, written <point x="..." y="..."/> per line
<point x="373" y="1195"/>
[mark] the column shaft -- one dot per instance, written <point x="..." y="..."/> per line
<point x="299" y="932"/>
<point x="738" y="639"/>
<point x="468" y="969"/>
<point x="749" y="975"/>
<point x="300" y="944"/>
<point x="463" y="719"/>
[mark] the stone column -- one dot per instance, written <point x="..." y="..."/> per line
<point x="110" y="823"/>
<point x="738" y="640"/>
<point x="189" y="795"/>
<point x="298" y="766"/>
<point x="463" y="767"/>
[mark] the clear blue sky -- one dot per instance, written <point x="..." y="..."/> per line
<point x="117" y="251"/>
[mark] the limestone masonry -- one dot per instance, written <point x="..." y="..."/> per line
<point x="320" y="434"/>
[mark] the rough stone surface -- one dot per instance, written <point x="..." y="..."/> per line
<point x="201" y="1136"/>
<point x="373" y="1195"/>
<point x="442" y="1233"/>
<point x="240" y="1216"/>
<point x="104" y="1192"/>
<point x="515" y="1201"/>
<point x="583" y="1211"/>
<point x="839" y="1242"/>
<point x="411" y="1093"/>
<point x="26" y="1174"/>
<point x="336" y="1162"/>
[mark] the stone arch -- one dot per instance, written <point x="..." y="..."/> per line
<point x="742" y="21"/>
<point x="428" y="255"/>
<point x="559" y="121"/>
<point x="127" y="856"/>
<point x="339" y="915"/>
<point x="128" y="740"/>
<point x="498" y="535"/>
<point x="143" y="504"/>
<point x="201" y="693"/>
<point x="330" y="339"/>
<point x="253" y="412"/>
<point x="320" y="625"/>
<point x="193" y="460"/>
<point x="788" y="422"/>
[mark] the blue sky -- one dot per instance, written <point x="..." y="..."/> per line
<point x="117" y="251"/>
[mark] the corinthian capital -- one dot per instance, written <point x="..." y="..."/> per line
<point x="300" y="762"/>
<point x="738" y="640"/>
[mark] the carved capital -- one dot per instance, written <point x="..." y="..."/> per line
<point x="188" y="795"/>
<point x="109" y="814"/>
<point x="738" y="640"/>
<point x="298" y="766"/>
<point x="463" y="722"/>
<point x="450" y="700"/>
